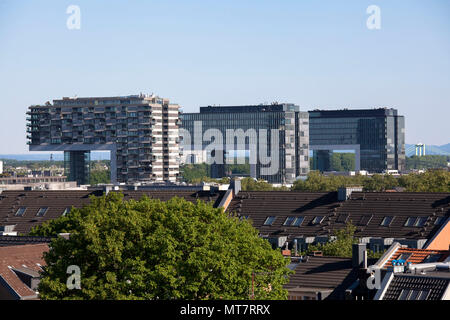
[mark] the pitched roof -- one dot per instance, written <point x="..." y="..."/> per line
<point x="22" y="240"/>
<point x="432" y="285"/>
<point x="58" y="201"/>
<point x="416" y="256"/>
<point x="366" y="210"/>
<point x="23" y="258"/>
<point x="332" y="273"/>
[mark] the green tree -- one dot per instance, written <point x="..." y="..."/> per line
<point x="149" y="249"/>
<point x="341" y="244"/>
<point x="99" y="176"/>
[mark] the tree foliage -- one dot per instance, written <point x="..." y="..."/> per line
<point x="429" y="181"/>
<point x="427" y="162"/>
<point x="149" y="249"/>
<point x="99" y="177"/>
<point x="341" y="244"/>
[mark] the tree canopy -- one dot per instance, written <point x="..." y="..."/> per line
<point x="429" y="181"/>
<point x="149" y="249"/>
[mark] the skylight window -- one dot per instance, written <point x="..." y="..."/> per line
<point x="387" y="221"/>
<point x="365" y="219"/>
<point x="432" y="258"/>
<point x="269" y="221"/>
<point x="439" y="220"/>
<point x="21" y="211"/>
<point x="293" y="221"/>
<point x="66" y="211"/>
<point x="410" y="294"/>
<point x="318" y="220"/>
<point x="415" y="222"/>
<point x="288" y="221"/>
<point x="342" y="218"/>
<point x="420" y="222"/>
<point x="42" y="212"/>
<point x="298" y="221"/>
<point x="404" y="256"/>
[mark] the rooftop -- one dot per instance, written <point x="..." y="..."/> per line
<point x="21" y="259"/>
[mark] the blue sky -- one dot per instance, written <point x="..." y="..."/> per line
<point x="315" y="54"/>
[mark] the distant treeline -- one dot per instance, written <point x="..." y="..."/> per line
<point x="427" y="162"/>
<point x="37" y="164"/>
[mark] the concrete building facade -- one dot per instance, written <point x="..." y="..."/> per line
<point x="140" y="131"/>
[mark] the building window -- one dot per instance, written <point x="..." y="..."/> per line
<point x="387" y="221"/>
<point x="269" y="221"/>
<point x="42" y="212"/>
<point x="66" y="211"/>
<point x="317" y="220"/>
<point x="439" y="220"/>
<point x="365" y="219"/>
<point x="21" y="211"/>
<point x="342" y="218"/>
<point x="293" y="221"/>
<point x="415" y="222"/>
<point x="409" y="294"/>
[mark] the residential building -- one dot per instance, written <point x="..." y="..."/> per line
<point x="377" y="136"/>
<point x="380" y="218"/>
<point x="20" y="211"/>
<point x="414" y="274"/>
<point x="140" y="131"/>
<point x="20" y="268"/>
<point x="257" y="123"/>
<point x="36" y="183"/>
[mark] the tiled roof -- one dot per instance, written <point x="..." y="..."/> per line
<point x="22" y="240"/>
<point x="323" y="273"/>
<point x="19" y="258"/>
<point x="58" y="201"/>
<point x="369" y="206"/>
<point x="416" y="256"/>
<point x="434" y="284"/>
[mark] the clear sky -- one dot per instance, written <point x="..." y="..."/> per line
<point x="317" y="54"/>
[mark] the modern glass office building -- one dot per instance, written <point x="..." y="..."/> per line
<point x="140" y="131"/>
<point x="376" y="135"/>
<point x="259" y="124"/>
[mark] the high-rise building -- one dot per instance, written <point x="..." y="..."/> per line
<point x="254" y="128"/>
<point x="140" y="131"/>
<point x="377" y="137"/>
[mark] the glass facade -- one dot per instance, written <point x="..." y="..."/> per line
<point x="293" y="136"/>
<point x="380" y="134"/>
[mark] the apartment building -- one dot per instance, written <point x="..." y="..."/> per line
<point x="140" y="131"/>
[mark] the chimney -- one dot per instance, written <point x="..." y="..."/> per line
<point x="359" y="255"/>
<point x="236" y="185"/>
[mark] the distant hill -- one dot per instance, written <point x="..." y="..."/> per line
<point x="431" y="150"/>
